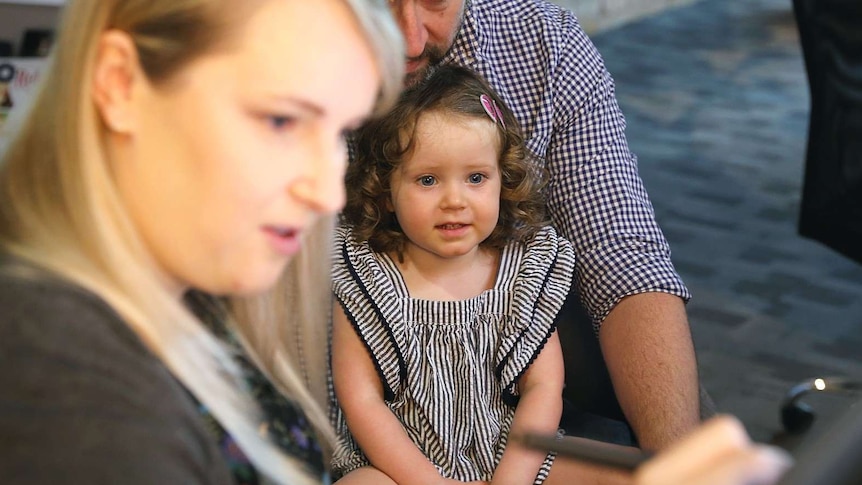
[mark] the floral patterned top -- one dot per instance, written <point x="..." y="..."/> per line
<point x="287" y="425"/>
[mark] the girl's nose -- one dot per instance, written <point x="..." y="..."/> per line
<point x="453" y="197"/>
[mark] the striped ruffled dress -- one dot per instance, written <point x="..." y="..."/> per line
<point x="450" y="369"/>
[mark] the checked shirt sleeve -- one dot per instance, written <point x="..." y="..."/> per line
<point x="596" y="197"/>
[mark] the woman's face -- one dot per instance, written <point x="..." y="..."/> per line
<point x="230" y="162"/>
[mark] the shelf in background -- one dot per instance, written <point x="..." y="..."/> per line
<point x="38" y="3"/>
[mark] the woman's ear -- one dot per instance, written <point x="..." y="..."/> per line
<point x="115" y="73"/>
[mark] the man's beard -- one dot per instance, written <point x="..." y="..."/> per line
<point x="434" y="54"/>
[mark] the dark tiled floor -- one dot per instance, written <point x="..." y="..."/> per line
<point x="716" y="99"/>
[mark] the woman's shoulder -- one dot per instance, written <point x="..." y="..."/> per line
<point x="90" y="401"/>
<point x="45" y="313"/>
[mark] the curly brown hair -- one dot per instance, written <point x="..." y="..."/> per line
<point x="384" y="143"/>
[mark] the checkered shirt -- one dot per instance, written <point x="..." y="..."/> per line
<point x="544" y="66"/>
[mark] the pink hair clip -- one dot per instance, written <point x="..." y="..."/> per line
<point x="492" y="109"/>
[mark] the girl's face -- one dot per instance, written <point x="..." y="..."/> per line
<point x="446" y="193"/>
<point x="228" y="164"/>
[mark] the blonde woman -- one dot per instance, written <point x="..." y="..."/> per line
<point x="178" y="149"/>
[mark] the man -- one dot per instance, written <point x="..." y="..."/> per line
<point x="538" y="58"/>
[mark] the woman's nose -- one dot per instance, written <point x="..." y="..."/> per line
<point x="321" y="185"/>
<point x="410" y="18"/>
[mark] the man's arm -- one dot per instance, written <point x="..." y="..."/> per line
<point x="647" y="346"/>
<point x="625" y="275"/>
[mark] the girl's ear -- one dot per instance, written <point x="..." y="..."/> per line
<point x="389" y="206"/>
<point x="115" y="74"/>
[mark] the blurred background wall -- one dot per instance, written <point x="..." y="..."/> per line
<point x="597" y="15"/>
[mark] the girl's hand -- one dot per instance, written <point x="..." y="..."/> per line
<point x="718" y="453"/>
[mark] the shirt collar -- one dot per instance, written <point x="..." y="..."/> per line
<point x="466" y="44"/>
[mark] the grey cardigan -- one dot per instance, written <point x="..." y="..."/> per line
<point x="82" y="400"/>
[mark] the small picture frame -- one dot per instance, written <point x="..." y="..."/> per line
<point x="36" y="42"/>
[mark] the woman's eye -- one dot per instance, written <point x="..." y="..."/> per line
<point x="280" y="122"/>
<point x="476" y="178"/>
<point x="426" y="181"/>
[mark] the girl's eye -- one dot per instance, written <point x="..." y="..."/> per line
<point x="476" y="178"/>
<point x="426" y="180"/>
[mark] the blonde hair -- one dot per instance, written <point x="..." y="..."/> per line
<point x="60" y="209"/>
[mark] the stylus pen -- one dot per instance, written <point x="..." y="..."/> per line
<point x="584" y="449"/>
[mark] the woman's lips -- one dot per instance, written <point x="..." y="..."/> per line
<point x="284" y="240"/>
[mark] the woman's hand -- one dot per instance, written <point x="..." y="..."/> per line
<point x="718" y="453"/>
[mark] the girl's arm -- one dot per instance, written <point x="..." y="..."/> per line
<point x="375" y="428"/>
<point x="539" y="410"/>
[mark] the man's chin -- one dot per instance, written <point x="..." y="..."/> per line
<point x="415" y="77"/>
<point x="412" y="78"/>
